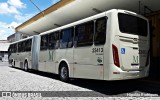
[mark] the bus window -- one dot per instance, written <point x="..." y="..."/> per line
<point x="54" y="40"/>
<point x="84" y="34"/>
<point x="19" y="47"/>
<point x="15" y="48"/>
<point x="132" y="25"/>
<point x="28" y="45"/>
<point x="44" y="42"/>
<point x="66" y="38"/>
<point x="23" y="45"/>
<point x="100" y="31"/>
<point x="10" y="48"/>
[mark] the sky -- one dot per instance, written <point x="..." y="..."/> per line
<point x="15" y="12"/>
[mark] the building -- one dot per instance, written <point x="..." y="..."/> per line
<point x="16" y="36"/>
<point x="4" y="45"/>
<point x="11" y="38"/>
<point x="154" y="19"/>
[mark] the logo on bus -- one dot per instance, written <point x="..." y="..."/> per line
<point x="135" y="60"/>
<point x="99" y="59"/>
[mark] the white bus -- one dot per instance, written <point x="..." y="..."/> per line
<point x="113" y="45"/>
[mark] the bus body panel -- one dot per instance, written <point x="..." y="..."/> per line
<point x="135" y="53"/>
<point x="87" y="64"/>
<point x="65" y="55"/>
<point x="50" y="63"/>
<point x="42" y="60"/>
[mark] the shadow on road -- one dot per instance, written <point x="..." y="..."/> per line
<point x="109" y="87"/>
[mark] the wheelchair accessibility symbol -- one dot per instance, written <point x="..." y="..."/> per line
<point x="123" y="50"/>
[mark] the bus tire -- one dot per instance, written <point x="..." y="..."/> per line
<point x="25" y="66"/>
<point x="63" y="72"/>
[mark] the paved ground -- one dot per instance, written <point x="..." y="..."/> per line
<point x="16" y="80"/>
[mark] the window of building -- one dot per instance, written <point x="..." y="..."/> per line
<point x="66" y="38"/>
<point x="84" y="34"/>
<point x="100" y="31"/>
<point x="54" y="40"/>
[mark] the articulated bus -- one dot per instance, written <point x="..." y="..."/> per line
<point x="113" y="45"/>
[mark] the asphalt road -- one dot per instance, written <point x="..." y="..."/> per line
<point x="13" y="79"/>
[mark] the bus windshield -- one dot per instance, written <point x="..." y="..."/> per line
<point x="132" y="24"/>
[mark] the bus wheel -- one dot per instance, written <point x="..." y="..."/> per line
<point x="63" y="72"/>
<point x="26" y="66"/>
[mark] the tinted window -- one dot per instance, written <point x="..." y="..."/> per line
<point x="66" y="38"/>
<point x="19" y="46"/>
<point x="10" y="49"/>
<point x="23" y="46"/>
<point x="28" y="44"/>
<point x="44" y="42"/>
<point x="54" y="40"/>
<point x="84" y="34"/>
<point x="14" y="48"/>
<point x="132" y="25"/>
<point x="100" y="31"/>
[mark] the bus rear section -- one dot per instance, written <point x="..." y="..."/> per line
<point x="130" y="47"/>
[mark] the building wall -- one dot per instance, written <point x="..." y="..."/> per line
<point x="11" y="38"/>
<point x="4" y="45"/>
<point x="154" y="18"/>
